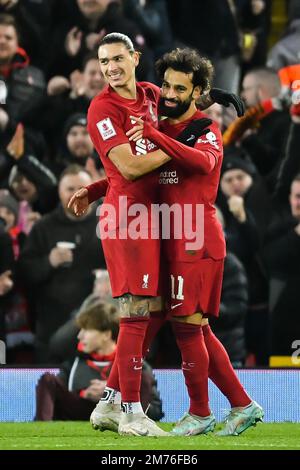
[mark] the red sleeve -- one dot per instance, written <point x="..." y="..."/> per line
<point x="202" y="157"/>
<point x="97" y="190"/>
<point x="104" y="126"/>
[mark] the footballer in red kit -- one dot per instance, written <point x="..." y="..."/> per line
<point x="195" y="275"/>
<point x="195" y="271"/>
<point x="137" y="269"/>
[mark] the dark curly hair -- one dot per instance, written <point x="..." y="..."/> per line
<point x="188" y="61"/>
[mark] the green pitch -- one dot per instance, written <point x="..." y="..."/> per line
<point x="79" y="435"/>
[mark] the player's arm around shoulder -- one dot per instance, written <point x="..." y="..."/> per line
<point x="132" y="166"/>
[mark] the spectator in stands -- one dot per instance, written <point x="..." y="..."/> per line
<point x="77" y="147"/>
<point x="286" y="50"/>
<point x="246" y="208"/>
<point x="88" y="21"/>
<point x="7" y="266"/>
<point x="19" y="337"/>
<point x="254" y="18"/>
<point x="230" y="326"/>
<point x="24" y="84"/>
<point x="61" y="276"/>
<point x="265" y="143"/>
<point x="35" y="20"/>
<point x="282" y="254"/>
<point x="73" y="393"/>
<point x="152" y="18"/>
<point x="24" y="144"/>
<point x="62" y="344"/>
<point x="71" y="95"/>
<point x="32" y="183"/>
<point x="216" y="36"/>
<point x="282" y="248"/>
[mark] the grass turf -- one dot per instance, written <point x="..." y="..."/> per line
<point x="80" y="436"/>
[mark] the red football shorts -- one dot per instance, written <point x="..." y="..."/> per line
<point x="133" y="266"/>
<point x="194" y="287"/>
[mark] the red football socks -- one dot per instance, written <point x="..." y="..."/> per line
<point x="113" y="378"/>
<point x="221" y="371"/>
<point x="194" y="355"/>
<point x="156" y="321"/>
<point x="129" y="356"/>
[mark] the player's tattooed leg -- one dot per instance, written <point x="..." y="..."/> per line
<point x="156" y="304"/>
<point x="132" y="306"/>
<point x="195" y="319"/>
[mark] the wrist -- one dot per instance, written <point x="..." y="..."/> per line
<point x="297" y="229"/>
<point x="205" y="101"/>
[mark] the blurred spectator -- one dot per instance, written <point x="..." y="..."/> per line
<point x="77" y="147"/>
<point x="35" y="20"/>
<point x="69" y="96"/>
<point x="282" y="254"/>
<point x="73" y="393"/>
<point x="216" y="36"/>
<point x="24" y="143"/>
<point x="19" y="337"/>
<point x="58" y="260"/>
<point x="23" y="86"/>
<point x="286" y="51"/>
<point x="229" y="327"/>
<point x="152" y="18"/>
<point x="247" y="208"/>
<point x="254" y="17"/>
<point x="7" y="265"/>
<point x="87" y="22"/>
<point x="62" y="344"/>
<point x="35" y="187"/>
<point x="265" y="143"/>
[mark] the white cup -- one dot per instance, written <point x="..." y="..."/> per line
<point x="66" y="245"/>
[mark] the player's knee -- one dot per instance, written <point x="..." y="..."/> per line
<point x="195" y="319"/>
<point x="132" y="306"/>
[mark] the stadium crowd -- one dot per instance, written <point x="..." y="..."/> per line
<point x="50" y="260"/>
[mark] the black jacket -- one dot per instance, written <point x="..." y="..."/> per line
<point x="6" y="263"/>
<point x="282" y="254"/>
<point x="58" y="291"/>
<point x="229" y="327"/>
<point x="78" y="373"/>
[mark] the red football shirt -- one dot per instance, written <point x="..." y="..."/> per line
<point x="108" y="121"/>
<point x="196" y="182"/>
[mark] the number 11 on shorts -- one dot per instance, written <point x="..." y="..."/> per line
<point x="179" y="287"/>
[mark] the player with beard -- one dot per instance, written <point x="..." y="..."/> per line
<point x="117" y="62"/>
<point x="195" y="275"/>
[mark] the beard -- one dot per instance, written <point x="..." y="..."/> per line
<point x="180" y="108"/>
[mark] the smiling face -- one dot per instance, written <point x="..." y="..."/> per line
<point x="118" y="65"/>
<point x="178" y="95"/>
